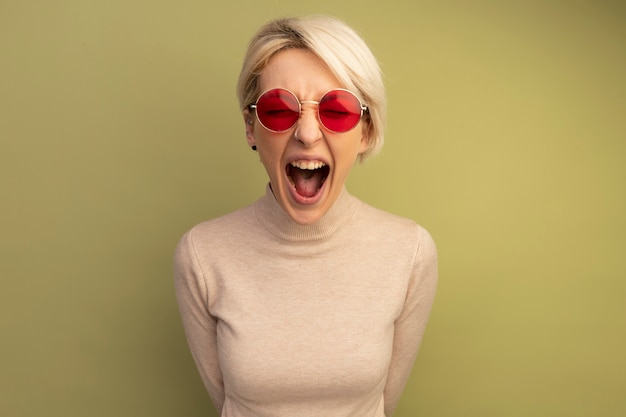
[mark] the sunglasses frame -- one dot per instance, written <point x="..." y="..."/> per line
<point x="364" y="109"/>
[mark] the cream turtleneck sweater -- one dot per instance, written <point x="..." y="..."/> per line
<point x="320" y="320"/>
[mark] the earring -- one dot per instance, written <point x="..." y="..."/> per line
<point x="253" y="147"/>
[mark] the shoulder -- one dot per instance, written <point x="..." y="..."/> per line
<point x="221" y="227"/>
<point x="402" y="230"/>
<point x="232" y="221"/>
<point x="219" y="233"/>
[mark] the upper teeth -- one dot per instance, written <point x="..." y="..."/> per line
<point x="307" y="164"/>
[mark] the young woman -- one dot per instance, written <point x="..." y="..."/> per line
<point x="308" y="302"/>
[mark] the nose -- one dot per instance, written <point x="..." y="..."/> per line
<point x="308" y="130"/>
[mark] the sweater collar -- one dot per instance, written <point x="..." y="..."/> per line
<point x="272" y="216"/>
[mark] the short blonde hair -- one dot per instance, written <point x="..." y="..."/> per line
<point x="339" y="46"/>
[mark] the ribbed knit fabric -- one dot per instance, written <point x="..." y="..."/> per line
<point x="285" y="320"/>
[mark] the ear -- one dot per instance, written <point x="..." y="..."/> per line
<point x="364" y="144"/>
<point x="365" y="138"/>
<point x="248" y="120"/>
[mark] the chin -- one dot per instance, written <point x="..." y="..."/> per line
<point x="305" y="209"/>
<point x="305" y="189"/>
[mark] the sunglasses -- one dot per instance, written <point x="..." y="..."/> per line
<point x="338" y="110"/>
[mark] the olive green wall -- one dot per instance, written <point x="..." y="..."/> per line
<point x="507" y="139"/>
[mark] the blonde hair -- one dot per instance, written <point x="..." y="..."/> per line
<point x="339" y="46"/>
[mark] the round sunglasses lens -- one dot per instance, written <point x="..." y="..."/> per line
<point x="278" y="110"/>
<point x="340" y="110"/>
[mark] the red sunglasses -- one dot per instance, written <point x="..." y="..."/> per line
<point x="338" y="110"/>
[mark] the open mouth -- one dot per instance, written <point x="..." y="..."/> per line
<point x="307" y="177"/>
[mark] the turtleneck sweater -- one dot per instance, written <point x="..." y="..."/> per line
<point x="326" y="319"/>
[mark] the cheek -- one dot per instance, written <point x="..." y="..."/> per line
<point x="270" y="150"/>
<point x="345" y="152"/>
<point x="358" y="143"/>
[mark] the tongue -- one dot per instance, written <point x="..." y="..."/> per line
<point x="307" y="182"/>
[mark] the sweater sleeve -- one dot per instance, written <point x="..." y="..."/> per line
<point x="410" y="325"/>
<point x="200" y="326"/>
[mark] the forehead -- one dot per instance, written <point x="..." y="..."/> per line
<point x="300" y="71"/>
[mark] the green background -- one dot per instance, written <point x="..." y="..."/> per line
<point x="120" y="130"/>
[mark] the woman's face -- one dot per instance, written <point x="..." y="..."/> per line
<point x="307" y="164"/>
